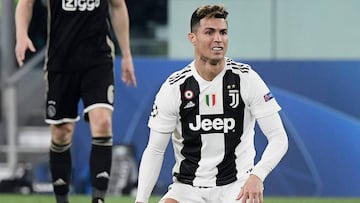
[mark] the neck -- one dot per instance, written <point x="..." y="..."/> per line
<point x="209" y="69"/>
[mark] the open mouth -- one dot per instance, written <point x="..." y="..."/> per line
<point x="217" y="49"/>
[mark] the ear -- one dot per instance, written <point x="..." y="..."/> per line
<point x="192" y="38"/>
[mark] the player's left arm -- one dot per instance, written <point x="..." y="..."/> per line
<point x="121" y="24"/>
<point x="265" y="109"/>
<point x="276" y="148"/>
<point x="273" y="129"/>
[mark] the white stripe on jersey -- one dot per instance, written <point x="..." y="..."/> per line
<point x="210" y="157"/>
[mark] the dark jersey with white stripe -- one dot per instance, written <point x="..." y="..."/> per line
<point x="212" y="122"/>
<point x="78" y="34"/>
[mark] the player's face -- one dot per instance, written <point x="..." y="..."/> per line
<point x="211" y="39"/>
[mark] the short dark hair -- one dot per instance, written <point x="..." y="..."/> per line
<point x="207" y="11"/>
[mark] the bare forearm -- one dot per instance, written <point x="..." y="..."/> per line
<point x="23" y="15"/>
<point x="120" y="22"/>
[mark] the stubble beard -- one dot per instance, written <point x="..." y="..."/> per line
<point x="209" y="60"/>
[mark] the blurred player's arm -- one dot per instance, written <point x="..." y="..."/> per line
<point x="23" y="15"/>
<point x="120" y="22"/>
<point x="150" y="166"/>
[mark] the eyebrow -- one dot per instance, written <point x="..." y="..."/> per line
<point x="211" y="28"/>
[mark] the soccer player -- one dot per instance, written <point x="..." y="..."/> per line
<point x="209" y="109"/>
<point x="79" y="65"/>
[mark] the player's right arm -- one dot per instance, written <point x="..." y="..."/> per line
<point x="150" y="165"/>
<point x="23" y="15"/>
<point x="162" y="122"/>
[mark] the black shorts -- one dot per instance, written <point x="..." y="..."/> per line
<point x="64" y="90"/>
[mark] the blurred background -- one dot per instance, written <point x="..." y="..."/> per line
<point x="307" y="51"/>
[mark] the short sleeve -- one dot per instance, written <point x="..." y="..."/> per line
<point x="164" y="114"/>
<point x="260" y="100"/>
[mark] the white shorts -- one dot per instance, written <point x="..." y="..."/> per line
<point x="185" y="193"/>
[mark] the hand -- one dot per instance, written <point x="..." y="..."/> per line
<point x="23" y="44"/>
<point x="252" y="190"/>
<point x="127" y="72"/>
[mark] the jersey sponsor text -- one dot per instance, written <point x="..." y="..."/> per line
<point x="81" y="5"/>
<point x="213" y="125"/>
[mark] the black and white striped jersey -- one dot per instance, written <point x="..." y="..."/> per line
<point x="212" y="122"/>
<point x="78" y="34"/>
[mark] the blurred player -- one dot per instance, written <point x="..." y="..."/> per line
<point x="209" y="109"/>
<point x="79" y="65"/>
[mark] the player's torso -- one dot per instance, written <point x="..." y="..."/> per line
<point x="77" y="33"/>
<point x="210" y="129"/>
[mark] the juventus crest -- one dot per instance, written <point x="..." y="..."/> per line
<point x="234" y="94"/>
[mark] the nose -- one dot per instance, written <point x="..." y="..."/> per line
<point x="217" y="37"/>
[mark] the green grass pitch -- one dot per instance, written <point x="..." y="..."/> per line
<point x="17" y="198"/>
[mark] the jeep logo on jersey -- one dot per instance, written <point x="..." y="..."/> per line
<point x="81" y="5"/>
<point x="213" y="125"/>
